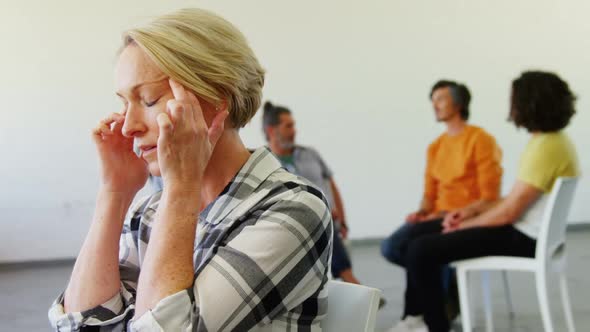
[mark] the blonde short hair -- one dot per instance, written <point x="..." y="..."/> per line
<point x="206" y="54"/>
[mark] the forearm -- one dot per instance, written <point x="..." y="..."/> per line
<point x="478" y="207"/>
<point x="493" y="217"/>
<point x="168" y="263"/>
<point x="95" y="277"/>
<point x="426" y="206"/>
<point x="508" y="210"/>
<point x="338" y="202"/>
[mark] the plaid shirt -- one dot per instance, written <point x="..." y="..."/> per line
<point x="261" y="259"/>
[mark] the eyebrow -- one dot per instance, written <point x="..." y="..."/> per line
<point x="135" y="87"/>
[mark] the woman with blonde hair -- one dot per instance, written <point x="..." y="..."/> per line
<point x="233" y="242"/>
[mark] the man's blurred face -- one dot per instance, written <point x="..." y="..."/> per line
<point x="284" y="132"/>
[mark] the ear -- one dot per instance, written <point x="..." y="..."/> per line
<point x="269" y="131"/>
<point x="211" y="109"/>
<point x="222" y="105"/>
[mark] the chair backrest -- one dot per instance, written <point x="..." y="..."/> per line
<point x="351" y="307"/>
<point x="551" y="240"/>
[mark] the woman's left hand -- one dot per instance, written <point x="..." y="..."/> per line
<point x="186" y="143"/>
<point x="451" y="224"/>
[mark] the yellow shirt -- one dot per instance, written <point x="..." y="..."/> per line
<point x="546" y="157"/>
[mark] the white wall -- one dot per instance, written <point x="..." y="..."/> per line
<point x="356" y="74"/>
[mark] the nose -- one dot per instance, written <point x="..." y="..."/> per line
<point x="134" y="123"/>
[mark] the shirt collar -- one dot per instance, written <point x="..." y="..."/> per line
<point x="255" y="171"/>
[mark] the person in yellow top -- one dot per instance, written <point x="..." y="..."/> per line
<point x="463" y="168"/>
<point x="543" y="104"/>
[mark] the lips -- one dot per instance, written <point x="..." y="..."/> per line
<point x="147" y="150"/>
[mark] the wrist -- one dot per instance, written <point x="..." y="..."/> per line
<point x="423" y="212"/>
<point x="468" y="223"/>
<point x="111" y="208"/>
<point x="471" y="212"/>
<point x="182" y="194"/>
<point x="181" y="207"/>
<point x="122" y="195"/>
<point x="182" y="188"/>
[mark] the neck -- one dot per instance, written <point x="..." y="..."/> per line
<point x="278" y="150"/>
<point x="455" y="125"/>
<point x="227" y="159"/>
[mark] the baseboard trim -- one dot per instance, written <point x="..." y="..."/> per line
<point x="12" y="266"/>
<point x="579" y="226"/>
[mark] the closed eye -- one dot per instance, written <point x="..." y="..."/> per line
<point x="150" y="104"/>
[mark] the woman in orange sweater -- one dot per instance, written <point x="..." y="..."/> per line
<point x="463" y="168"/>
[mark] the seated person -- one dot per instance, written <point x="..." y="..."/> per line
<point x="279" y="130"/>
<point x="233" y="241"/>
<point x="543" y="104"/>
<point x="463" y="167"/>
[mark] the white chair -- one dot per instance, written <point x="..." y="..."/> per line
<point x="351" y="307"/>
<point x="550" y="258"/>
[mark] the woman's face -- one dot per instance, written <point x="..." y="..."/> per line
<point x="144" y="90"/>
<point x="443" y="104"/>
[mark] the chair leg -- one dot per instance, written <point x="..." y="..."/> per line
<point x="543" y="295"/>
<point x="569" y="319"/>
<point x="487" y="300"/>
<point x="507" y="295"/>
<point x="462" y="282"/>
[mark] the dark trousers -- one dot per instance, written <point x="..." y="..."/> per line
<point x="395" y="247"/>
<point x="340" y="258"/>
<point x="428" y="250"/>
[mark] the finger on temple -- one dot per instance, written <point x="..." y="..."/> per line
<point x="178" y="90"/>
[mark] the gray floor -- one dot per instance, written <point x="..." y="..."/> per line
<point x="27" y="291"/>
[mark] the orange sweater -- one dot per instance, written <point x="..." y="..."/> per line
<point x="462" y="169"/>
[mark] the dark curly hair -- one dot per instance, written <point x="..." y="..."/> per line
<point x="541" y="101"/>
<point x="459" y="93"/>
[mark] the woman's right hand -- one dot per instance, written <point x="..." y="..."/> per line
<point x="454" y="218"/>
<point x="121" y="169"/>
<point x="416" y="217"/>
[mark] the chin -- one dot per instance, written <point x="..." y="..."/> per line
<point x="288" y="145"/>
<point x="154" y="168"/>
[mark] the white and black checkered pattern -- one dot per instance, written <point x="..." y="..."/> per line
<point x="261" y="261"/>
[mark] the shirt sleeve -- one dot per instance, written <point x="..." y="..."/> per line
<point x="430" y="182"/>
<point x="275" y="264"/>
<point x="488" y="161"/>
<point x="539" y="166"/>
<point x="326" y="171"/>
<point x="117" y="311"/>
